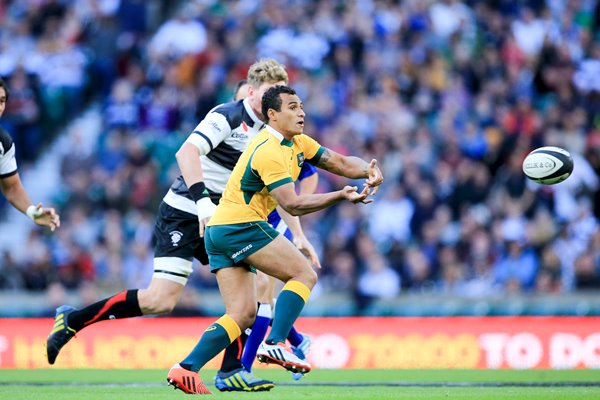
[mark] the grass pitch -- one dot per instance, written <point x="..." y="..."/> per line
<point x="62" y="384"/>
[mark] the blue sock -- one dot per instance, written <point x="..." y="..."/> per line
<point x="295" y="337"/>
<point x="259" y="330"/>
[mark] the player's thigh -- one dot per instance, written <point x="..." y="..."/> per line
<point x="280" y="259"/>
<point x="238" y="290"/>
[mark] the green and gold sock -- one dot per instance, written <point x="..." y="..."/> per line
<point x="290" y="302"/>
<point x="214" y="339"/>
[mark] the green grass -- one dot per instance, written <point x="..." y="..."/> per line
<point x="84" y="384"/>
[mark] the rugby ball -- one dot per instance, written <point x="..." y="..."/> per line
<point x="548" y="165"/>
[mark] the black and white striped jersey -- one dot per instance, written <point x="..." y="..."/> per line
<point x="221" y="137"/>
<point x="8" y="162"/>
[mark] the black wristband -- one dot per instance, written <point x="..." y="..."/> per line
<point x="198" y="191"/>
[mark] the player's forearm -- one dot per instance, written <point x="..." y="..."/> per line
<point x="188" y="159"/>
<point x="353" y="167"/>
<point x="308" y="203"/>
<point x="15" y="193"/>
<point x="346" y="166"/>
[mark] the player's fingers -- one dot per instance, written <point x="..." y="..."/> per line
<point x="375" y="190"/>
<point x="316" y="261"/>
<point x="202" y="228"/>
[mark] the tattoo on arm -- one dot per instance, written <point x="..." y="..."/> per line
<point x="324" y="158"/>
<point x="324" y="162"/>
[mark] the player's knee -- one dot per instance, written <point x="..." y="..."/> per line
<point x="311" y="278"/>
<point x="244" y="317"/>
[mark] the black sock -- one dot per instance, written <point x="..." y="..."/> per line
<point x="232" y="359"/>
<point x="122" y="305"/>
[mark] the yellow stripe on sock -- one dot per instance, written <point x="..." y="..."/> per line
<point x="299" y="288"/>
<point x="229" y="324"/>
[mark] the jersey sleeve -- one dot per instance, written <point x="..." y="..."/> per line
<point x="211" y="131"/>
<point x="271" y="169"/>
<point x="8" y="162"/>
<point x="312" y="149"/>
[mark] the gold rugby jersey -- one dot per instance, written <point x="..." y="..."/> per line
<point x="268" y="162"/>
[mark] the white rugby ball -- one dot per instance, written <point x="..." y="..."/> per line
<point x="548" y="165"/>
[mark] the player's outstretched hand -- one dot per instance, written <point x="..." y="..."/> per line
<point x="307" y="249"/>
<point x="375" y="177"/>
<point x="352" y="194"/>
<point x="45" y="216"/>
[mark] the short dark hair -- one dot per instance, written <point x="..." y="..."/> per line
<point x="238" y="87"/>
<point x="3" y="85"/>
<point x="272" y="99"/>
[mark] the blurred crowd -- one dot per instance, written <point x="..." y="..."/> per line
<point x="449" y="96"/>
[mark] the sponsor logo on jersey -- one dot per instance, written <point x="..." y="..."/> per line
<point x="210" y="328"/>
<point x="175" y="237"/>
<point x="300" y="157"/>
<point x="215" y="126"/>
<point x="239" y="135"/>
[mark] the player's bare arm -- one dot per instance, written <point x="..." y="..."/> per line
<point x="352" y="167"/>
<point x="307" y="203"/>
<point x="188" y="159"/>
<point x="16" y="195"/>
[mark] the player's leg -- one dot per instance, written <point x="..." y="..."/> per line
<point x="265" y="290"/>
<point x="233" y="375"/>
<point x="300" y="343"/>
<point x="172" y="267"/>
<point x="160" y="297"/>
<point x="283" y="261"/>
<point x="238" y="290"/>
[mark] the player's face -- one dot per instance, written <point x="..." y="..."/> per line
<point x="255" y="96"/>
<point x="290" y="120"/>
<point x="2" y="100"/>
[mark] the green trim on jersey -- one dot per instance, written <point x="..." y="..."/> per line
<point x="280" y="182"/>
<point x="317" y="157"/>
<point x="251" y="182"/>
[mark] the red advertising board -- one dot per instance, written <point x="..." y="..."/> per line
<point x="359" y="342"/>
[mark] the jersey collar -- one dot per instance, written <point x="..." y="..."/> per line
<point x="250" y="111"/>
<point x="282" y="141"/>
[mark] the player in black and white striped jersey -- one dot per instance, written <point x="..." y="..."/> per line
<point x="206" y="160"/>
<point x="10" y="182"/>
